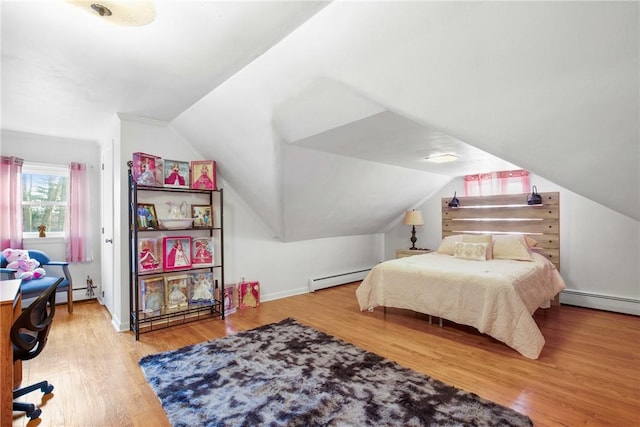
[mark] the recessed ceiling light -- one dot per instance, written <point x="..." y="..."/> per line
<point x="442" y="158"/>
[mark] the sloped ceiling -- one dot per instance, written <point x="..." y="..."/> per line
<point x="66" y="73"/>
<point x="387" y="84"/>
<point x="320" y="115"/>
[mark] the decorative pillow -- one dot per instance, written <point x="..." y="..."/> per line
<point x="448" y="244"/>
<point x="531" y="243"/>
<point x="480" y="238"/>
<point x="511" y="247"/>
<point x="472" y="251"/>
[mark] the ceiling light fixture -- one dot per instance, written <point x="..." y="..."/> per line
<point x="442" y="158"/>
<point x="102" y="11"/>
<point x="127" y="13"/>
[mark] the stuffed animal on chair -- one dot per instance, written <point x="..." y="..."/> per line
<point x="27" y="268"/>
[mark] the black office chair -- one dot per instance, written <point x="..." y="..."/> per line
<point x="29" y="336"/>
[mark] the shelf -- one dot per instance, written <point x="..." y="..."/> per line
<point x="179" y="229"/>
<point x="176" y="189"/>
<point x="158" y="281"/>
<point x="170" y="317"/>
<point x="173" y="312"/>
<point x="177" y="270"/>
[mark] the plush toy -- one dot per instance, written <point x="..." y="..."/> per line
<point x="27" y="268"/>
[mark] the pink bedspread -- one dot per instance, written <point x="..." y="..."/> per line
<point x="497" y="297"/>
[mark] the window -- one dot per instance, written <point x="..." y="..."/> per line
<point x="501" y="182"/>
<point x="45" y="192"/>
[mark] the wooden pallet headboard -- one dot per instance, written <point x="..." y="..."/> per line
<point x="508" y="214"/>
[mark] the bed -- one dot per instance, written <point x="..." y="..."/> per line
<point x="496" y="291"/>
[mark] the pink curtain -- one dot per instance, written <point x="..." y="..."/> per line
<point x="513" y="181"/>
<point x="10" y="202"/>
<point x="78" y="240"/>
<point x="502" y="182"/>
<point x="478" y="184"/>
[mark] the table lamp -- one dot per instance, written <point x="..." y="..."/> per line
<point x="413" y="218"/>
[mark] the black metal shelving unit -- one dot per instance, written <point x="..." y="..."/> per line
<point x="141" y="322"/>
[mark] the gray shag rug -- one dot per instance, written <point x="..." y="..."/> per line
<point x="288" y="374"/>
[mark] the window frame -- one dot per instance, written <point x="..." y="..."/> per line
<point x="53" y="170"/>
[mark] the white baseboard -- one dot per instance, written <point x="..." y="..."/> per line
<point x="329" y="280"/>
<point x="124" y="326"/>
<point x="290" y="293"/>
<point x="118" y="325"/>
<point x="81" y="295"/>
<point x="284" y="294"/>
<point x="600" y="301"/>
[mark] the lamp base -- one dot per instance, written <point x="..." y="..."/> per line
<point x="413" y="238"/>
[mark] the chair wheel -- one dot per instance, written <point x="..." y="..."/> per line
<point x="47" y="389"/>
<point x="35" y="413"/>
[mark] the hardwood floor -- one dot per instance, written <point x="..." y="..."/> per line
<point x="588" y="372"/>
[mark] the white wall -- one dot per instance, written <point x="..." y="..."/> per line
<point x="599" y="247"/>
<point x="600" y="250"/>
<point x="134" y="135"/>
<point x="62" y="151"/>
<point x="284" y="269"/>
<point x="251" y="251"/>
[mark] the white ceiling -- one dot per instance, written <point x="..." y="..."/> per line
<point x="66" y="71"/>
<point x="319" y="113"/>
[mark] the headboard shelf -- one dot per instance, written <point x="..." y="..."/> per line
<point x="504" y="212"/>
<point x="552" y="198"/>
<point x="502" y="225"/>
<point x="508" y="214"/>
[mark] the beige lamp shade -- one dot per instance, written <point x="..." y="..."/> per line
<point x="413" y="217"/>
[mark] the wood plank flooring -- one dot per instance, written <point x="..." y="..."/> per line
<point x="587" y="375"/>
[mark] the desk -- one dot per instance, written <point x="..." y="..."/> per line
<point x="10" y="373"/>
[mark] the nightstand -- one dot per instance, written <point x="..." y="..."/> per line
<point x="401" y="253"/>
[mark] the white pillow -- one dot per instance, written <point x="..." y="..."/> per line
<point x="511" y="247"/>
<point x="448" y="244"/>
<point x="471" y="251"/>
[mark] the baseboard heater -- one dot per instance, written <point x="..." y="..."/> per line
<point x="600" y="301"/>
<point x="337" y="279"/>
